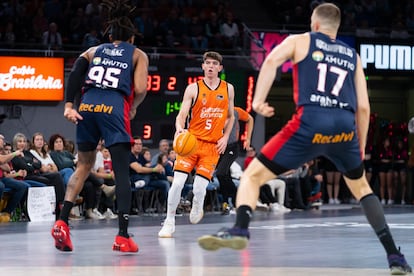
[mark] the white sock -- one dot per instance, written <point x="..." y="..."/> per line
<point x="199" y="189"/>
<point x="174" y="194"/>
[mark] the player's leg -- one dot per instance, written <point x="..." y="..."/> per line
<point x="359" y="186"/>
<point x="237" y="237"/>
<point x="60" y="230"/>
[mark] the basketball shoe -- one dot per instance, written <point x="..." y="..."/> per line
<point x="196" y="213"/>
<point x="398" y="264"/>
<point x="234" y="238"/>
<point x="167" y="229"/>
<point x="124" y="244"/>
<point x="60" y="232"/>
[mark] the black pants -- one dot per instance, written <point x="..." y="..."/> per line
<point x="227" y="187"/>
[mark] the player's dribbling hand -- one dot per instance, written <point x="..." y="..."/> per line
<point x="179" y="131"/>
<point x="72" y="115"/>
<point x="265" y="110"/>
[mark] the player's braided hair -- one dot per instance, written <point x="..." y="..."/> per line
<point x="120" y="25"/>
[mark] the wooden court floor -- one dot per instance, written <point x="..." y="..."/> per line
<point x="335" y="240"/>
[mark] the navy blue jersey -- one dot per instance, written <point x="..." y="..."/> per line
<point x="112" y="68"/>
<point x="325" y="77"/>
<point x="324" y="122"/>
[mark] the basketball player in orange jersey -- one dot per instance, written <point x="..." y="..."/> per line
<point x="207" y="112"/>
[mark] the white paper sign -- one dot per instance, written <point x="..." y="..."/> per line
<point x="41" y="202"/>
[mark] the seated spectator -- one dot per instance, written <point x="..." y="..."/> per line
<point x="197" y="33"/>
<point x="64" y="160"/>
<point x="107" y="203"/>
<point x="276" y="201"/>
<point x="33" y="166"/>
<point x="312" y="184"/>
<point x="40" y="151"/>
<point x="140" y="171"/>
<point x="163" y="160"/>
<point x="364" y="30"/>
<point x="9" y="172"/>
<point x="399" y="30"/>
<point x="333" y="180"/>
<point x="230" y="32"/>
<point x="213" y="32"/>
<point x="101" y="179"/>
<point x="294" y="193"/>
<point x="52" y="39"/>
<point x="250" y="155"/>
<point x="163" y="147"/>
<point x="18" y="189"/>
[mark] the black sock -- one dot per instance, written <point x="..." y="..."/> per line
<point x="244" y="213"/>
<point x="123" y="220"/>
<point x="64" y="213"/>
<point x="375" y="215"/>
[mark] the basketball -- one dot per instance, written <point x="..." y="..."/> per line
<point x="185" y="144"/>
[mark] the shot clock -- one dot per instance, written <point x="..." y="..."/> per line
<point x="155" y="118"/>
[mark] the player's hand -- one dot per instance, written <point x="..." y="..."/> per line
<point x="264" y="109"/>
<point x="179" y="131"/>
<point x="222" y="145"/>
<point x="72" y="115"/>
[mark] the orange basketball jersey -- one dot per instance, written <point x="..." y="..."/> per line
<point x="209" y="112"/>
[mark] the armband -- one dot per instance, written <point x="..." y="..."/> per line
<point x="153" y="169"/>
<point x="109" y="176"/>
<point x="14" y="154"/>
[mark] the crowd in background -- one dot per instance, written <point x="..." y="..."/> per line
<point x="55" y="24"/>
<point x="368" y="18"/>
<point x="315" y="183"/>
<point x="185" y="24"/>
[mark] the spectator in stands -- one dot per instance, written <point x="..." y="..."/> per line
<point x="293" y="182"/>
<point x="163" y="147"/>
<point x="176" y="31"/>
<point x="230" y="31"/>
<point x="33" y="166"/>
<point x="399" y="168"/>
<point x="102" y="179"/>
<point x="52" y="39"/>
<point x="140" y="171"/>
<point x="385" y="155"/>
<point x="172" y="155"/>
<point x="399" y="30"/>
<point x="107" y="203"/>
<point x="39" y="151"/>
<point x="227" y="186"/>
<point x="65" y="160"/>
<point x="78" y="26"/>
<point x="213" y="32"/>
<point x="250" y="155"/>
<point x="39" y="25"/>
<point x="17" y="188"/>
<point x="197" y="33"/>
<point x="9" y="36"/>
<point x="163" y="160"/>
<point x="333" y="180"/>
<point x="364" y="29"/>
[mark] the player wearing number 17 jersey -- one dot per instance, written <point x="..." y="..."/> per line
<point x="207" y="112"/>
<point x="331" y="120"/>
<point x="113" y="77"/>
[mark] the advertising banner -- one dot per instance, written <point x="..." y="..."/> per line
<point x="31" y="78"/>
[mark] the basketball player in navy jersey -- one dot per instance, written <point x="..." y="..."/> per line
<point x="106" y="74"/>
<point x="332" y="118"/>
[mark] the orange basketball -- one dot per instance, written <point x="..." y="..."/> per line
<point x="185" y="144"/>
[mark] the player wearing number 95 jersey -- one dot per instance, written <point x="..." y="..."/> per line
<point x="331" y="120"/>
<point x="113" y="77"/>
<point x="207" y="112"/>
